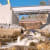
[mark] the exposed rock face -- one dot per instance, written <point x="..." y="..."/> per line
<point x="5" y="14"/>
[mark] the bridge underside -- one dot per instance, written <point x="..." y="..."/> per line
<point x="32" y="10"/>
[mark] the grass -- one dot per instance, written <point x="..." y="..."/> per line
<point x="8" y="35"/>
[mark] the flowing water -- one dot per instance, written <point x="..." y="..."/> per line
<point x="25" y="41"/>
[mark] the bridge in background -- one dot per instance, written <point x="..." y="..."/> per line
<point x="31" y="10"/>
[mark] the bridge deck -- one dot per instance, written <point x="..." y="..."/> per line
<point x="31" y="10"/>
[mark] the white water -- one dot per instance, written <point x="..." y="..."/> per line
<point x="25" y="41"/>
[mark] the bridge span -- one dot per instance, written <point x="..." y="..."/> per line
<point x="31" y="10"/>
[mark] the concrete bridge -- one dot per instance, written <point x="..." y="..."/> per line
<point x="8" y="14"/>
<point x="31" y="10"/>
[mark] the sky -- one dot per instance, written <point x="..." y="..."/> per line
<point x="19" y="3"/>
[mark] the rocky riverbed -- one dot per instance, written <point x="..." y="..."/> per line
<point x="36" y="38"/>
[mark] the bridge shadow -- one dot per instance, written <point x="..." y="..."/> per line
<point x="43" y="26"/>
<point x="47" y="23"/>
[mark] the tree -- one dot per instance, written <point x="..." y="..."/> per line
<point x="42" y="3"/>
<point x="29" y="16"/>
<point x="22" y="17"/>
<point x="48" y="2"/>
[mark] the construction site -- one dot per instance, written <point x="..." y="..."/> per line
<point x="30" y="33"/>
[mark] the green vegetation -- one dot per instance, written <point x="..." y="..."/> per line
<point x="22" y="18"/>
<point x="29" y="16"/>
<point x="42" y="3"/>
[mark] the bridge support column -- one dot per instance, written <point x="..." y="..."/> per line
<point x="17" y="18"/>
<point x="48" y="19"/>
